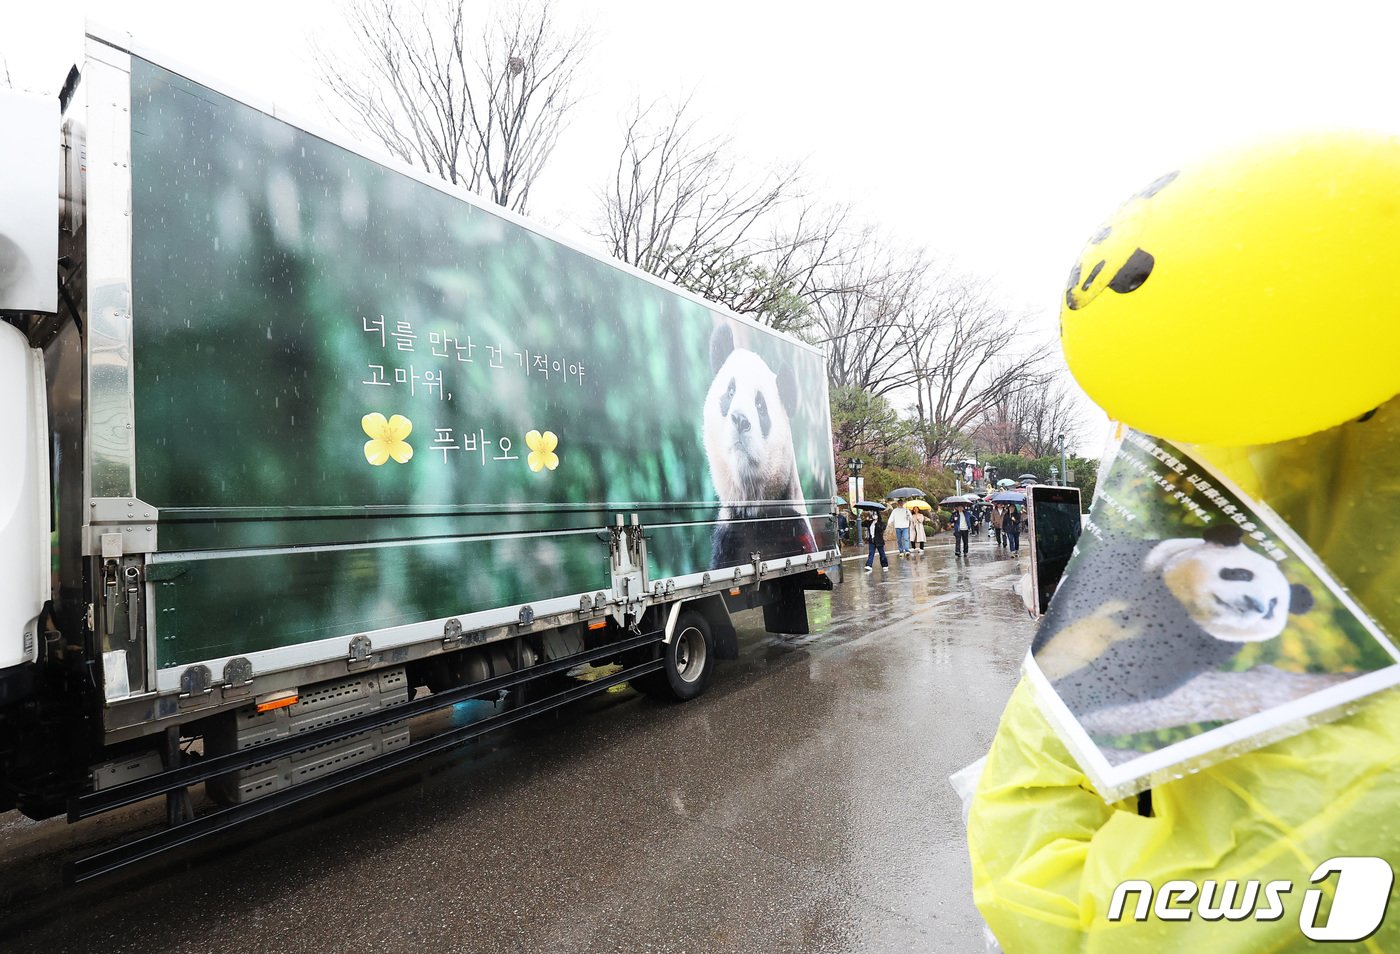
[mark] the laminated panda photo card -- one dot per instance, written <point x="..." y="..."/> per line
<point x="1191" y="625"/>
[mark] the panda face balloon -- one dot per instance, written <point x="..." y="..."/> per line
<point x="1114" y="259"/>
<point x="1247" y="299"/>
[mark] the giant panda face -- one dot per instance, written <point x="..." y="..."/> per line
<point x="747" y="434"/>
<point x="1230" y="591"/>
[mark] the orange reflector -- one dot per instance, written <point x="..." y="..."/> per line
<point x="278" y="702"/>
<point x="823" y="573"/>
<point x="601" y="624"/>
<point x="735" y="591"/>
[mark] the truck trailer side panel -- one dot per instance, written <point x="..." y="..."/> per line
<point x="353" y="402"/>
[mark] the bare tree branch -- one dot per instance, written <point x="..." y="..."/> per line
<point x="679" y="207"/>
<point x="484" y="113"/>
<point x="1030" y="421"/>
<point x="961" y="353"/>
<point x="862" y="315"/>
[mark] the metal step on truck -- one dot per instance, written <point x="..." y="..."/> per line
<point x="306" y="443"/>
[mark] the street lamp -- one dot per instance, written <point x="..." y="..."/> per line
<point x="1064" y="465"/>
<point x="855" y="490"/>
<point x="956" y="466"/>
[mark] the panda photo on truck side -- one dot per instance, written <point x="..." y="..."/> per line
<point x="1162" y="613"/>
<point x="748" y="441"/>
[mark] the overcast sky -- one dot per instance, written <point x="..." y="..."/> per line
<point x="994" y="134"/>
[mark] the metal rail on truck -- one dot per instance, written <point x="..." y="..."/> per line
<point x="149" y="845"/>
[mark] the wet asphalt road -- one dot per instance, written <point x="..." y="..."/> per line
<point x="801" y="804"/>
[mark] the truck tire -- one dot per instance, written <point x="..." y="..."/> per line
<point x="689" y="661"/>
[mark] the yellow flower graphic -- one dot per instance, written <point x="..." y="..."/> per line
<point x="542" y="450"/>
<point x="387" y="438"/>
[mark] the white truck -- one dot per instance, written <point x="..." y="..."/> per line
<point x="306" y="443"/>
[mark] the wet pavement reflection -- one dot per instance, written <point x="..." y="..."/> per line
<point x="801" y="804"/>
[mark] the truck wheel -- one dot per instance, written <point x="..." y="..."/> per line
<point x="689" y="660"/>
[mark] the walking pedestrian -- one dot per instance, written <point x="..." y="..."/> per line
<point x="843" y="526"/>
<point x="998" y="516"/>
<point x="899" y="519"/>
<point x="962" y="528"/>
<point x="876" y="529"/>
<point x="1011" y="526"/>
<point x="918" y="532"/>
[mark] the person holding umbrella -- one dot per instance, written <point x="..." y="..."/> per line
<point x="1011" y="518"/>
<point x="899" y="519"/>
<point x="962" y="527"/>
<point x="1007" y="518"/>
<point x="875" y="529"/>
<point x="917" y="534"/>
<point x="1011" y="526"/>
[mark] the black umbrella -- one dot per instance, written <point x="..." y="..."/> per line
<point x="868" y="505"/>
<point x="903" y="492"/>
<point x="1007" y="496"/>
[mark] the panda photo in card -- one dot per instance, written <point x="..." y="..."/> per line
<point x="1159" y="616"/>
<point x="1191" y="618"/>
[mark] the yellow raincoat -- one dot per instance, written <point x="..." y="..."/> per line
<point x="1047" y="852"/>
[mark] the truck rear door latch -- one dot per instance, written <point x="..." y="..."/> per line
<point x="135" y="604"/>
<point x="111" y="594"/>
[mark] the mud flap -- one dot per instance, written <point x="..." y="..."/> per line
<point x="785" y="609"/>
<point x="726" y="639"/>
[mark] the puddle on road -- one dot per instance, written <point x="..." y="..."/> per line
<point x="938" y="598"/>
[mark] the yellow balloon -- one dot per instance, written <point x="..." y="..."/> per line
<point x="1246" y="299"/>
